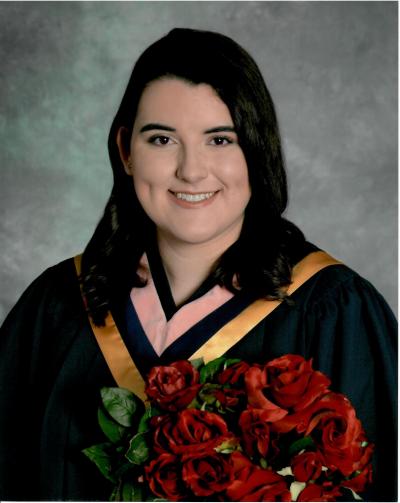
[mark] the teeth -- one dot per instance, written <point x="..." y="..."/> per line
<point x="194" y="198"/>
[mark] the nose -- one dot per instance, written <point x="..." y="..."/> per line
<point x="192" y="166"/>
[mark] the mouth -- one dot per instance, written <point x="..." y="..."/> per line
<point x="193" y="198"/>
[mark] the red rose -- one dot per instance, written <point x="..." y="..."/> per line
<point x="228" y="397"/>
<point x="253" y="483"/>
<point x="234" y="374"/>
<point x="363" y="469"/>
<point x="164" y="477"/>
<point x="206" y="473"/>
<point x="315" y="492"/>
<point x="255" y="431"/>
<point x="359" y="483"/>
<point x="337" y="432"/>
<point x="195" y="429"/>
<point x="239" y="462"/>
<point x="307" y="466"/>
<point x="293" y="383"/>
<point x="173" y="387"/>
<point x="256" y="382"/>
<point x="367" y="451"/>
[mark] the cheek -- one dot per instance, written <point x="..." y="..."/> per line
<point x="236" y="176"/>
<point x="147" y="176"/>
<point x="151" y="168"/>
<point x="150" y="185"/>
<point x="234" y="169"/>
<point x="143" y="189"/>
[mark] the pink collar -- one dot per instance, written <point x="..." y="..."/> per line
<point x="160" y="332"/>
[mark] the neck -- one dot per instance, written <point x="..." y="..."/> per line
<point x="188" y="265"/>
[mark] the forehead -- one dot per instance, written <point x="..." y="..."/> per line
<point x="175" y="99"/>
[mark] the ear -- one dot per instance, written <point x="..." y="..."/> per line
<point x="123" y="142"/>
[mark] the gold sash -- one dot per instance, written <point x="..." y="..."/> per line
<point x="122" y="366"/>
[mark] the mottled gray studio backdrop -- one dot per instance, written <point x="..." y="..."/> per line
<point x="331" y="69"/>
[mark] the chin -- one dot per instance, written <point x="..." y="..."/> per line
<point x="191" y="236"/>
<point x="203" y="232"/>
<point x="197" y="237"/>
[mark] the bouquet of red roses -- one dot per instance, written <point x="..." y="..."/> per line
<point x="231" y="431"/>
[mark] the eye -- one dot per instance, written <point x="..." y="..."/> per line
<point x="159" y="140"/>
<point x="221" y="141"/>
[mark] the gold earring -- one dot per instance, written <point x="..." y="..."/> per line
<point x="130" y="167"/>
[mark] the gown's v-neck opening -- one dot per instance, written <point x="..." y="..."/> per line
<point x="133" y="332"/>
<point x="136" y="340"/>
<point x="143" y="352"/>
<point x="163" y="288"/>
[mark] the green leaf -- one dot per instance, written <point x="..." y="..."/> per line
<point x="115" y="495"/>
<point x="228" y="446"/>
<point x="210" y="369"/>
<point x="112" y="430"/>
<point x="197" y="363"/>
<point x="121" y="404"/>
<point x="138" y="451"/>
<point x="207" y="393"/>
<point x="123" y="467"/>
<point x="231" y="361"/>
<point x="99" y="455"/>
<point x="195" y="404"/>
<point x="144" y="420"/>
<point x="300" y="444"/>
<point x="132" y="492"/>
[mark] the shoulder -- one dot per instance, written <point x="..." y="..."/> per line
<point x="329" y="280"/>
<point x="338" y="286"/>
<point x="55" y="287"/>
<point x="58" y="279"/>
<point x="63" y="269"/>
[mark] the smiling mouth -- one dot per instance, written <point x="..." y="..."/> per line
<point x="193" y="198"/>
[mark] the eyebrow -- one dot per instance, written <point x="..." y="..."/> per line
<point x="151" y="126"/>
<point x="220" y="129"/>
<point x="163" y="127"/>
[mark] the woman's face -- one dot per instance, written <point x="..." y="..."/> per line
<point x="189" y="172"/>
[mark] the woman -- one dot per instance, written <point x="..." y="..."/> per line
<point x="191" y="237"/>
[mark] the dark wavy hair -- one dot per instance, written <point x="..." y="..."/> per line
<point x="263" y="256"/>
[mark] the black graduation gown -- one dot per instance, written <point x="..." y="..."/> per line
<point x="51" y="371"/>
